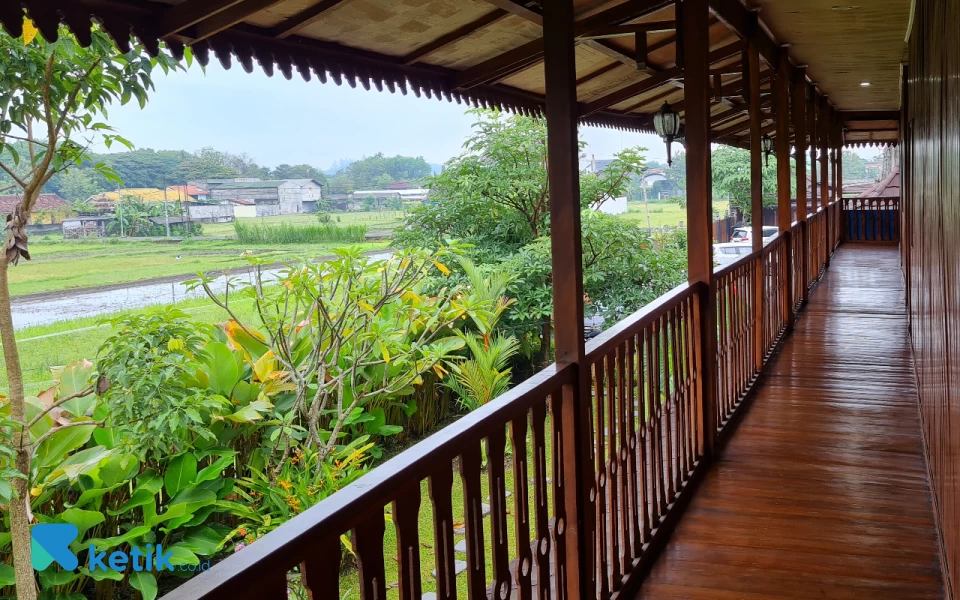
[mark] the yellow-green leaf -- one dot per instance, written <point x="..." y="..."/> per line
<point x="29" y="31"/>
<point x="442" y="267"/>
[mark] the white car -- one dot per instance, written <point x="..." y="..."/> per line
<point x="742" y="235"/>
<point x="726" y="253"/>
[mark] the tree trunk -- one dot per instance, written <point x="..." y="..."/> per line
<point x="19" y="513"/>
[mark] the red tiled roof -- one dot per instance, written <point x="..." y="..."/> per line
<point x="44" y="202"/>
<point x="189" y="190"/>
<point x="888" y="188"/>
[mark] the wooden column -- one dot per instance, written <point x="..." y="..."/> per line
<point x="800" y="143"/>
<point x="781" y="90"/>
<point x="751" y="62"/>
<point x="696" y="42"/>
<point x="824" y="133"/>
<point x="562" y="111"/>
<point x="811" y="132"/>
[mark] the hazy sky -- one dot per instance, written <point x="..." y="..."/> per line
<point x="278" y="121"/>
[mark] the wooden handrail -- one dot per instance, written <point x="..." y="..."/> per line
<point x="288" y="545"/>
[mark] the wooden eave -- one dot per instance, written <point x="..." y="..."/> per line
<point x="483" y="53"/>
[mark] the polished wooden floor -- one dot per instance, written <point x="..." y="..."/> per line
<point x="821" y="492"/>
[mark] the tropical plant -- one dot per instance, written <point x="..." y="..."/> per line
<point x="53" y="96"/>
<point x="486" y="374"/>
<point x="340" y="336"/>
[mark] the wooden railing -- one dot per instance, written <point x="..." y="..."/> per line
<point x="871" y="220"/>
<point x="507" y="462"/>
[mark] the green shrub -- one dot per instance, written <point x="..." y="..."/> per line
<point x="285" y="233"/>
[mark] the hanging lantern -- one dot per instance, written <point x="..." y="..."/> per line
<point x="766" y="144"/>
<point x="667" y="125"/>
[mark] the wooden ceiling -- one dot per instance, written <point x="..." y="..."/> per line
<point x="845" y="43"/>
<point x="490" y="52"/>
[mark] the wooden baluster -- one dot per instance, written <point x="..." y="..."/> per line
<point x="683" y="341"/>
<point x="643" y="439"/>
<point x="320" y="572"/>
<point x="496" y="484"/>
<point x="723" y="348"/>
<point x="655" y="414"/>
<point x="613" y="489"/>
<point x="521" y="505"/>
<point x="441" y="494"/>
<point x="692" y="376"/>
<point x="368" y="546"/>
<point x="406" y="517"/>
<point x="675" y="404"/>
<point x="621" y="459"/>
<point x="603" y="470"/>
<point x="470" y="466"/>
<point x="667" y="418"/>
<point x="541" y="496"/>
<point x="634" y="483"/>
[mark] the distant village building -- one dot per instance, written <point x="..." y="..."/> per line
<point x="191" y="191"/>
<point x="275" y="197"/>
<point x="50" y="208"/>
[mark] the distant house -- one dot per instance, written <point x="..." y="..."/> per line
<point x="276" y="197"/>
<point x="383" y="196"/>
<point x="189" y="191"/>
<point x="52" y="204"/>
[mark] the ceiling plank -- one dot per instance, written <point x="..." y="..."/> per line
<point x="502" y="65"/>
<point x="630" y="91"/>
<point x="303" y="18"/>
<point x="594" y="74"/>
<point x="229" y="17"/>
<point x="870" y="115"/>
<point x="610" y="31"/>
<point x="189" y="13"/>
<point x="454" y="36"/>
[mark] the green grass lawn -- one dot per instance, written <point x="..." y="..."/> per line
<point x="61" y="264"/>
<point x="664" y="214"/>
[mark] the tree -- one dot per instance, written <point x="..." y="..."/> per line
<point x="367" y="172"/>
<point x="53" y="97"/>
<point x="76" y="185"/>
<point x="206" y="164"/>
<point x="731" y="177"/>
<point x="854" y="167"/>
<point x="304" y="171"/>
<point x="496" y="192"/>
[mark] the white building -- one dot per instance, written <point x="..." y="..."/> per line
<point x="276" y="197"/>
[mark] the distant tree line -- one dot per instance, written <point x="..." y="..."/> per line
<point x="377" y="172"/>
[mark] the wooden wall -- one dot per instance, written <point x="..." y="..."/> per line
<point x="931" y="249"/>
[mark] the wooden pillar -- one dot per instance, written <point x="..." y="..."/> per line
<point x="578" y="536"/>
<point x="824" y="132"/>
<point x="694" y="34"/>
<point x="800" y="143"/>
<point x="751" y="62"/>
<point x="781" y="89"/>
<point x="811" y="132"/>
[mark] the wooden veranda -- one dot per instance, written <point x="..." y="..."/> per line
<point x="753" y="433"/>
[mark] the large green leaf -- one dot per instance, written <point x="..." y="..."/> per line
<point x="181" y="473"/>
<point x="105" y="543"/>
<point x="251" y="412"/>
<point x="83" y="519"/>
<point x="100" y="574"/>
<point x="224" y="372"/>
<point x="61" y="442"/>
<point x="52" y="576"/>
<point x="7" y="575"/>
<point x="213" y="471"/>
<point x="149" y="480"/>
<point x="80" y="463"/>
<point x="185" y="503"/>
<point x="141" y="497"/>
<point x="182" y="555"/>
<point x="145" y="583"/>
<point x="88" y="496"/>
<point x="202" y="540"/>
<point x="118" y="468"/>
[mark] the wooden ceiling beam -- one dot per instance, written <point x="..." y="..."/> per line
<point x="597" y="73"/>
<point x="611" y="31"/>
<point x="655" y="98"/>
<point x="531" y="53"/>
<point x="746" y="24"/>
<point x="303" y="18"/>
<point x="455" y="36"/>
<point x="518" y="9"/>
<point x="228" y="18"/>
<point x="870" y="115"/>
<point x="189" y="13"/>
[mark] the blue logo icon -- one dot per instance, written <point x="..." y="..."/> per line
<point x="51" y="542"/>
